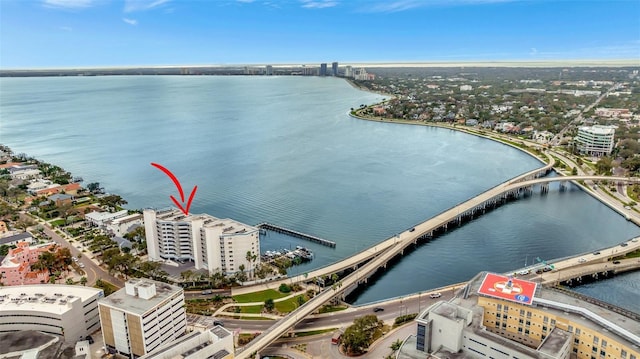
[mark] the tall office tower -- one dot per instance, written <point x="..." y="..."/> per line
<point x="334" y="68"/>
<point x="141" y="316"/>
<point x="269" y="70"/>
<point x="323" y="69"/>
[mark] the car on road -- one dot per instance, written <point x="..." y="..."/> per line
<point x="581" y="260"/>
<point x="523" y="272"/>
<point x="207" y="291"/>
<point x="435" y="295"/>
<point x="623" y="244"/>
<point x="81" y="265"/>
<point x="378" y="309"/>
<point x="412" y="229"/>
<point x="218" y="322"/>
<point x="596" y="253"/>
<point x="616" y="262"/>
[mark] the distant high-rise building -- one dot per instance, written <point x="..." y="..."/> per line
<point x="348" y="71"/>
<point x="323" y="69"/>
<point x="269" y="70"/>
<point x="334" y="69"/>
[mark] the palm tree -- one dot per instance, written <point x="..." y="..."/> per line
<point x="83" y="280"/>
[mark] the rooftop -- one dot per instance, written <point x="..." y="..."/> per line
<point x="53" y="298"/>
<point x="134" y="303"/>
<point x="574" y="307"/>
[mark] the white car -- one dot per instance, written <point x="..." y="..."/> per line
<point x="581" y="260"/>
<point x="81" y="265"/>
<point x="435" y="295"/>
<point x="523" y="272"/>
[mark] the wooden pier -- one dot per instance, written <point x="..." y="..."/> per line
<point x="292" y="233"/>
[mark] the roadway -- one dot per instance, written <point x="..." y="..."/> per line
<point x="92" y="270"/>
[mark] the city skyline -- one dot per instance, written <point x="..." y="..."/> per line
<point x="97" y="33"/>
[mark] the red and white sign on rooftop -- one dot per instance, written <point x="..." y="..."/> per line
<point x="512" y="289"/>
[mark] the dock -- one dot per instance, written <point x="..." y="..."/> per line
<point x="293" y="233"/>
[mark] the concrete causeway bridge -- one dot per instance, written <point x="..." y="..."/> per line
<point x="367" y="262"/>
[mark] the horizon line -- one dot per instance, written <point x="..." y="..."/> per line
<point x="470" y="63"/>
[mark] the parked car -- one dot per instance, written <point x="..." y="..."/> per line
<point x="596" y="253"/>
<point x="435" y="295"/>
<point x="616" y="262"/>
<point x="581" y="260"/>
<point x="412" y="229"/>
<point x="208" y="291"/>
<point x="218" y="322"/>
<point x="378" y="309"/>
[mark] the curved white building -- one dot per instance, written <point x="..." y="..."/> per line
<point x="595" y="140"/>
<point x="69" y="311"/>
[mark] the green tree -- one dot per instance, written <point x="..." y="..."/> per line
<point x="83" y="280"/>
<point x="69" y="281"/>
<point x="574" y="171"/>
<point x="269" y="305"/>
<point x="358" y="336"/>
<point x="604" y="165"/>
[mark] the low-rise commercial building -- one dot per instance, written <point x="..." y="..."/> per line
<point x="138" y="318"/>
<point x="69" y="311"/>
<point x="211" y="243"/>
<point x="595" y="140"/>
<point x="501" y="317"/>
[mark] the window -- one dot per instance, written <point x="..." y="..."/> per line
<point x="521" y="312"/>
<point x="544" y="328"/>
<point x="570" y="329"/>
<point x="519" y="330"/>
<point x="576" y="341"/>
<point x="528" y="323"/>
<point x="545" y="320"/>
<point x="623" y="354"/>
<point x="528" y="314"/>
<point x="526" y="331"/>
<point x="521" y="320"/>
<point x="603" y="344"/>
<point x="499" y="307"/>
<point x="553" y="322"/>
<point x="577" y="331"/>
<point x="595" y="340"/>
<point x="603" y="353"/>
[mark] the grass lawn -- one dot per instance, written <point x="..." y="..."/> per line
<point x="259" y="296"/>
<point x="57" y="222"/>
<point x="314" y="332"/>
<point x="332" y="308"/>
<point x="252" y="309"/>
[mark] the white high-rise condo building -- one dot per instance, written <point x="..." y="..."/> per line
<point x="211" y="243"/>
<point x="595" y="140"/>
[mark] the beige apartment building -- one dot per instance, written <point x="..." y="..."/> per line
<point x="141" y="316"/>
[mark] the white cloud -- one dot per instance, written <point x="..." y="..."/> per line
<point x="318" y="4"/>
<point x="402" y="5"/>
<point x="130" y="21"/>
<point x="142" y="5"/>
<point x="69" y="4"/>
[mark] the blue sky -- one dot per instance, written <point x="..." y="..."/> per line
<point x="86" y="33"/>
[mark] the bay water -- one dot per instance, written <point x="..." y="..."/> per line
<point x="284" y="150"/>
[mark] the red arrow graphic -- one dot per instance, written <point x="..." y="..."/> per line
<point x="184" y="210"/>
